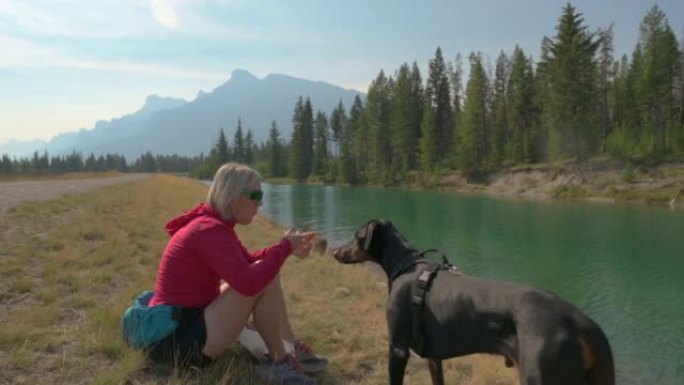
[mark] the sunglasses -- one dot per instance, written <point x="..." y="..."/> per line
<point x="254" y="195"/>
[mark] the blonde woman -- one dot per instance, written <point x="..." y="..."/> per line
<point x="217" y="284"/>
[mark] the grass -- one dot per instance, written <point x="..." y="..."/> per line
<point x="69" y="267"/>
<point x="64" y="176"/>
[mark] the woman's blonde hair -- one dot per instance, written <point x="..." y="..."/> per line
<point x="228" y="183"/>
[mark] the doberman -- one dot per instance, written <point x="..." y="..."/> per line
<point x="549" y="340"/>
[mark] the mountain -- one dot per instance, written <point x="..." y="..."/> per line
<point x="23" y="148"/>
<point x="173" y="126"/>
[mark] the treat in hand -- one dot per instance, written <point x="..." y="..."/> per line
<point x="320" y="244"/>
<point x="310" y="241"/>
<point x="309" y="236"/>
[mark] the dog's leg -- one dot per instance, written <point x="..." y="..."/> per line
<point x="398" y="358"/>
<point x="436" y="372"/>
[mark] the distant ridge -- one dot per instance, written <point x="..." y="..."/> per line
<point x="174" y="126"/>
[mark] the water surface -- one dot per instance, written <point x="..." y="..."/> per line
<point x="621" y="264"/>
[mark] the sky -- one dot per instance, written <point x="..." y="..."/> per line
<point x="65" y="64"/>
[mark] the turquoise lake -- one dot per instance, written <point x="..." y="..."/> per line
<point x="621" y="264"/>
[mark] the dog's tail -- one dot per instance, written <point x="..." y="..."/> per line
<point x="602" y="372"/>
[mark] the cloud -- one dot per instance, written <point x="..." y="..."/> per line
<point x="28" y="17"/>
<point x="67" y="18"/>
<point x="164" y="14"/>
<point x="21" y="54"/>
<point x="113" y="19"/>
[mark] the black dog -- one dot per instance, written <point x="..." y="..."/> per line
<point x="439" y="313"/>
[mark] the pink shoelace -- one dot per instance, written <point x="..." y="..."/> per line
<point x="301" y="346"/>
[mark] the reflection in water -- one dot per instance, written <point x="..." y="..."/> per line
<point x="620" y="264"/>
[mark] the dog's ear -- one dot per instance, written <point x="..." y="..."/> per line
<point x="367" y="233"/>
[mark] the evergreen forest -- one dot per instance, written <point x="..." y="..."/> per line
<point x="576" y="102"/>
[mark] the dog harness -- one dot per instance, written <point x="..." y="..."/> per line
<point x="420" y="289"/>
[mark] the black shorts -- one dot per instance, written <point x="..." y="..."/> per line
<point x="184" y="346"/>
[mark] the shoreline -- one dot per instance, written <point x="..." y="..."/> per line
<point x="598" y="181"/>
<point x="654" y="186"/>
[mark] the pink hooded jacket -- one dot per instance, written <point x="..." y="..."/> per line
<point x="202" y="251"/>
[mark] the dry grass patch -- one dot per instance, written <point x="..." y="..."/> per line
<point x="70" y="266"/>
<point x="64" y="176"/>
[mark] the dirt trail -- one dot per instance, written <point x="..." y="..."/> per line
<point x="12" y="193"/>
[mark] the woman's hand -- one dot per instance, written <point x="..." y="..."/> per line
<point x="301" y="242"/>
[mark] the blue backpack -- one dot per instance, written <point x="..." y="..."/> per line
<point x="143" y="325"/>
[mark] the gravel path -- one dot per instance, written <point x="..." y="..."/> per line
<point x="12" y="193"/>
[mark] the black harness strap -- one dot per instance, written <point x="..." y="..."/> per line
<point x="404" y="265"/>
<point x="421" y="287"/>
<point x="446" y="265"/>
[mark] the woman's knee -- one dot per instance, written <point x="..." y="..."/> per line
<point x="274" y="286"/>
<point x="224" y="319"/>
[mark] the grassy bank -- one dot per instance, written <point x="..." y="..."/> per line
<point x="64" y="176"/>
<point x="70" y="266"/>
<point x="600" y="179"/>
<point x="595" y="180"/>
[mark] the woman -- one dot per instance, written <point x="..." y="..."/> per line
<point x="218" y="284"/>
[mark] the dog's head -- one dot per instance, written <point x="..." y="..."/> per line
<point x="366" y="244"/>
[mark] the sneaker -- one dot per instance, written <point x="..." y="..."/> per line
<point x="309" y="361"/>
<point x="283" y="373"/>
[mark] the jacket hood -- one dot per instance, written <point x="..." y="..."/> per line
<point x="177" y="223"/>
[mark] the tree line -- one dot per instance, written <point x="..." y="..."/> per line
<point x="43" y="164"/>
<point x="576" y="102"/>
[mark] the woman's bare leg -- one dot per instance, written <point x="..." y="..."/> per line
<point x="269" y="318"/>
<point x="286" y="327"/>
<point x="227" y="314"/>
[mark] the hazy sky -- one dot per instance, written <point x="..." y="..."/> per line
<point x="64" y="64"/>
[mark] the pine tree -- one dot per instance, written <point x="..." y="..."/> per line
<point x="456" y="79"/>
<point x="572" y="91"/>
<point x="619" y="101"/>
<point x="606" y="77"/>
<point x="438" y="131"/>
<point x="428" y="150"/>
<point x="301" y="145"/>
<point x="75" y="161"/>
<point x="679" y="101"/>
<point x="6" y="165"/>
<point x="320" y="154"/>
<point x="249" y="148"/>
<point x="338" y="119"/>
<point x="521" y="139"/>
<point x="276" y="156"/>
<point x="348" y="172"/>
<point x="541" y="96"/>
<point x="239" y="144"/>
<point x="377" y="119"/>
<point x="361" y="146"/>
<point x="296" y="142"/>
<point x="657" y="81"/>
<point x="400" y="120"/>
<point x="89" y="164"/>
<point x="221" y="150"/>
<point x="308" y="125"/>
<point x="472" y="143"/>
<point x="501" y="131"/>
<point x="417" y="105"/>
<point x="628" y="138"/>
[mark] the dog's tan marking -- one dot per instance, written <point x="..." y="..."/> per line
<point x="588" y="354"/>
